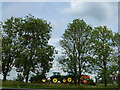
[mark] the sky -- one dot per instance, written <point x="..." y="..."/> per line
<point x="59" y="14"/>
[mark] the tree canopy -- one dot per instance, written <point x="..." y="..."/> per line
<point x="75" y="42"/>
<point x="29" y="37"/>
<point x="103" y="48"/>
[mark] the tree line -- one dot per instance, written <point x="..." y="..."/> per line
<point x="86" y="48"/>
<point x="90" y="49"/>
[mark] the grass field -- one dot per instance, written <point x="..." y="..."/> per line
<point x="15" y="84"/>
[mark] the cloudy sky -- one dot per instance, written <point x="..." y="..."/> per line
<point x="62" y="13"/>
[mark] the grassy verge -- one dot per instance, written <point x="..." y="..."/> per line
<point x="15" y="84"/>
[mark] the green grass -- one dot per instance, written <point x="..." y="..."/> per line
<point x="15" y="84"/>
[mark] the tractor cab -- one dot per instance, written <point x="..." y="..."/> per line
<point x="70" y="74"/>
<point x="56" y="73"/>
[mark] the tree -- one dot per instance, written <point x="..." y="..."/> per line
<point x="25" y="46"/>
<point x="33" y="36"/>
<point x="76" y="44"/>
<point x="102" y="45"/>
<point x="8" y="46"/>
<point x="117" y="45"/>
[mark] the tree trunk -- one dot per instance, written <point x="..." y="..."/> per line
<point x="105" y="72"/>
<point x="26" y="79"/>
<point x="27" y="76"/>
<point x="96" y="79"/>
<point x="119" y="80"/>
<point x="75" y="78"/>
<point x="105" y="82"/>
<point x="75" y="66"/>
<point x="79" y="74"/>
<point x="5" y="72"/>
<point x="4" y="77"/>
<point x="80" y="63"/>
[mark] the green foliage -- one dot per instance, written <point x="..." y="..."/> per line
<point x="8" y="47"/>
<point x="91" y="50"/>
<point x="117" y="56"/>
<point x="25" y="46"/>
<point x="27" y="38"/>
<point x="102" y="48"/>
<point x="76" y="42"/>
<point x="33" y="37"/>
<point x="20" y="78"/>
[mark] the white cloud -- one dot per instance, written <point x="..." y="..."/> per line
<point x="54" y="41"/>
<point x="13" y="75"/>
<point x="1" y="76"/>
<point x="100" y="11"/>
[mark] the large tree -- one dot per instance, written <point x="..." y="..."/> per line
<point x="33" y="45"/>
<point x="26" y="45"/>
<point x="102" y="48"/>
<point x="76" y="44"/>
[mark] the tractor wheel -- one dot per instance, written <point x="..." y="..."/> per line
<point x="69" y="79"/>
<point x="63" y="80"/>
<point x="44" y="80"/>
<point x="55" y="80"/>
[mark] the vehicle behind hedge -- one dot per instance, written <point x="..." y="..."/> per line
<point x="38" y="79"/>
